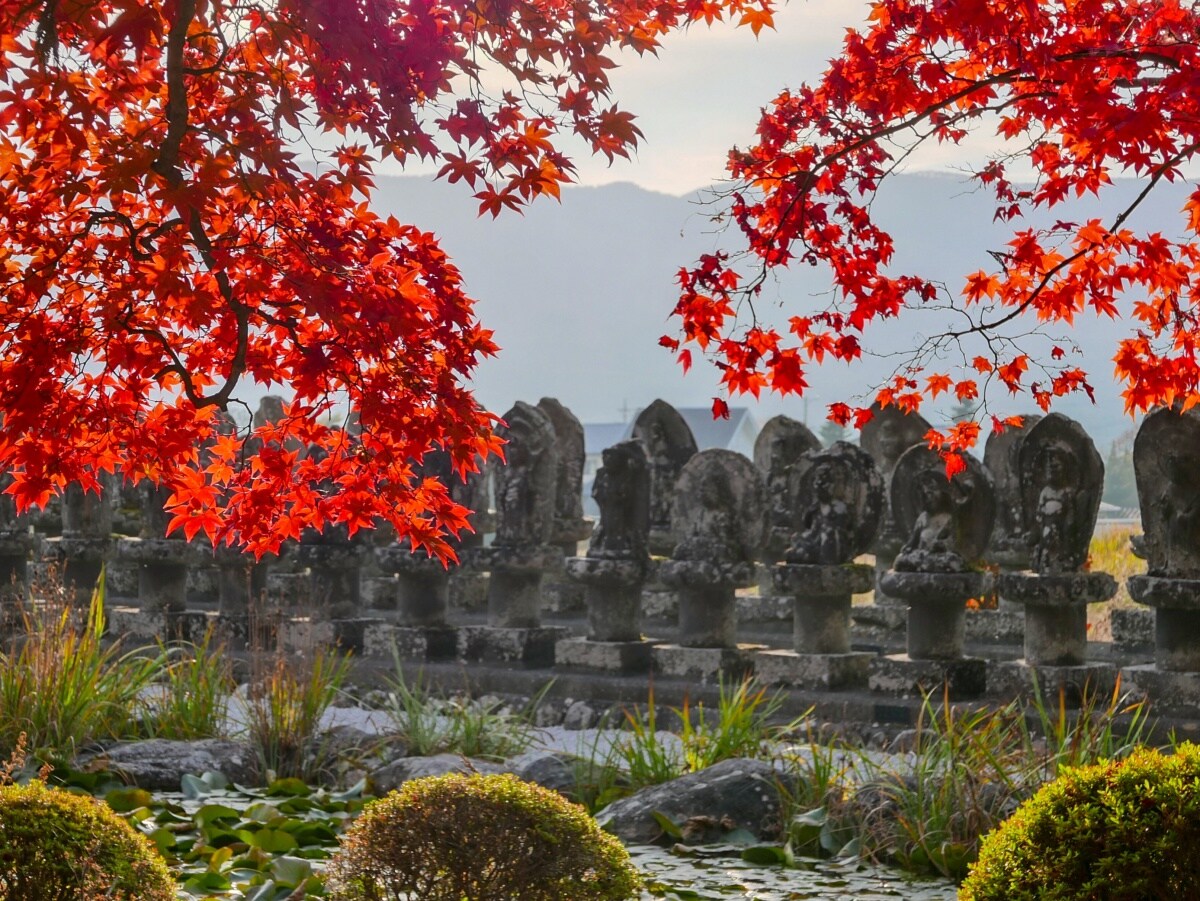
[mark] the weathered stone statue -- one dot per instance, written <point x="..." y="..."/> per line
<point x="86" y="536"/>
<point x="948" y="522"/>
<point x="1009" y="546"/>
<point x="838" y="507"/>
<point x="889" y="433"/>
<point x="621" y="490"/>
<point x="569" y="525"/>
<point x="669" y="445"/>
<point x="526" y="490"/>
<point x="780" y="444"/>
<point x="718" y="518"/>
<point x="1061" y="477"/>
<point x="615" y="567"/>
<point x="334" y="559"/>
<point x="1166" y="461"/>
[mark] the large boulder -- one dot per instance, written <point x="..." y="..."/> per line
<point x="732" y="794"/>
<point x="159" y="764"/>
<point x="555" y="771"/>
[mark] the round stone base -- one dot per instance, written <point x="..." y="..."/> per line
<point x="1057" y="589"/>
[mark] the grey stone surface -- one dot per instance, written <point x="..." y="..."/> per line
<point x="1018" y="679"/>
<point x="732" y="794"/>
<point x="1056" y="612"/>
<point x="1168" y="691"/>
<point x="902" y="676"/>
<point x="705" y="665"/>
<point x="669" y="444"/>
<point x="820" y="672"/>
<point x="533" y="647"/>
<point x="381" y="639"/>
<point x="621" y="490"/>
<point x="391" y="776"/>
<point x="777" y="449"/>
<point x="555" y="771"/>
<point x="159" y="764"/>
<point x="604" y="656"/>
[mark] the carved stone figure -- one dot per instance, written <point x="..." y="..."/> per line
<point x="526" y="483"/>
<point x="1166" y="462"/>
<point x="779" y="446"/>
<point x="622" y="492"/>
<point x="669" y="445"/>
<point x="839" y="495"/>
<point x="1001" y="456"/>
<point x="717" y="512"/>
<point x="569" y="525"/>
<point x="947" y="521"/>
<point x="889" y="433"/>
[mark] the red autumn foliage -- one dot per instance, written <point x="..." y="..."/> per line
<point x="173" y="234"/>
<point x="1081" y="91"/>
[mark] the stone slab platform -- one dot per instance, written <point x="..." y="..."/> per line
<point x="833" y="672"/>
<point x="604" y="656"/>
<point x="1016" y="678"/>
<point x="901" y="676"/>
<point x="411" y="642"/>
<point x="706" y="665"/>
<point x="1177" y="693"/>
<point x="529" y="647"/>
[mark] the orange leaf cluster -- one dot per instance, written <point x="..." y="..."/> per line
<point x="1084" y="90"/>
<point x="167" y="246"/>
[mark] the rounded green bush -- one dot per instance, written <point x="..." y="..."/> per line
<point x="55" y="844"/>
<point x="479" y="838"/>
<point x="1117" y="831"/>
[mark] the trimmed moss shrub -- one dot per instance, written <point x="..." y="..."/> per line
<point x="479" y="838"/>
<point x="56" y="845"/>
<point x="1116" y="831"/>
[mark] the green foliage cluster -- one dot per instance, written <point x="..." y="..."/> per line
<point x="55" y="844"/>
<point x="1120" y="831"/>
<point x="479" y="838"/>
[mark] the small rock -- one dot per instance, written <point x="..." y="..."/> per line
<point x="550" y="713"/>
<point x="395" y="774"/>
<point x="580" y="715"/>
<point x="557" y="772"/>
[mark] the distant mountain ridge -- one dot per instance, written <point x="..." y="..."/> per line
<point x="579" y="292"/>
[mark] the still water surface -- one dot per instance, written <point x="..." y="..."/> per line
<point x="677" y="878"/>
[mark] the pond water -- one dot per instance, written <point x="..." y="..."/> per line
<point x="684" y="878"/>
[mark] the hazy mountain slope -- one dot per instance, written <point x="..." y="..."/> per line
<point x="579" y="292"/>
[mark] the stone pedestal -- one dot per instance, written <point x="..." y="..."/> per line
<point x="423" y="586"/>
<point x="1176" y="604"/>
<point x="139" y="626"/>
<point x="706" y="665"/>
<point x="531" y="647"/>
<point x="1056" y="612"/>
<point x="1074" y="684"/>
<point x="613" y="592"/>
<point x="616" y="657"/>
<point x="333" y="572"/>
<point x="1169" y="691"/>
<point x="816" y="672"/>
<point x="514" y="599"/>
<point x="241" y="581"/>
<point x="301" y="634"/>
<point x="14" y="563"/>
<point x="81" y="559"/>
<point x="425" y="643"/>
<point x="820" y="657"/>
<point x="901" y="675"/>
<point x="936" y="621"/>
<point x="162" y="565"/>
<point x="707" y="607"/>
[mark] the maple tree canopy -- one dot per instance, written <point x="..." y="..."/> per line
<point x="174" y="235"/>
<point x="1080" y="91"/>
